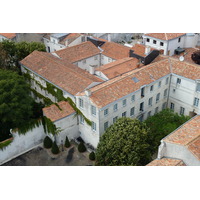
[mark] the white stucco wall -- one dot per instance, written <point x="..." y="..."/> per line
<point x="22" y="143"/>
<point x="53" y="46"/>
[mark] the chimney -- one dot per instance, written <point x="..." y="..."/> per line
<point x="109" y="37"/>
<point x="88" y="92"/>
<point x="66" y="43"/>
<point x="92" y="69"/>
<point x="147" y="50"/>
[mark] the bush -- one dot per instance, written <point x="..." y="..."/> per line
<point x="92" y="156"/>
<point x="55" y="149"/>
<point x="67" y="143"/>
<point x="47" y="142"/>
<point x="81" y="147"/>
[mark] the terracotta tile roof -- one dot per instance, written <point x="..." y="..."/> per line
<point x="8" y="35"/>
<point x="139" y="49"/>
<point x="54" y="113"/>
<point x="187" y="55"/>
<point x="111" y="90"/>
<point x="166" y="162"/>
<point x="78" y="52"/>
<point x="164" y="36"/>
<point x="187" y="135"/>
<point x="115" y="51"/>
<point x="60" y="72"/>
<point x="70" y="38"/>
<point x="118" y="67"/>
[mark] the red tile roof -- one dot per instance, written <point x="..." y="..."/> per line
<point x="78" y="52"/>
<point x="166" y="162"/>
<point x="115" y="51"/>
<point x="139" y="49"/>
<point x="164" y="36"/>
<point x="8" y="35"/>
<point x="60" y="72"/>
<point x="187" y="135"/>
<point x="70" y="38"/>
<point x="54" y="113"/>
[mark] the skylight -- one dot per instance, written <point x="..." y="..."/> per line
<point x="135" y="79"/>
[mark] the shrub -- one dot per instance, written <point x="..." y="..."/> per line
<point x="92" y="156"/>
<point x="81" y="147"/>
<point x="67" y="143"/>
<point x="47" y="142"/>
<point x="55" y="149"/>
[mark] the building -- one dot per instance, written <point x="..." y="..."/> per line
<point x="7" y="36"/>
<point x="181" y="147"/>
<point x="106" y="82"/>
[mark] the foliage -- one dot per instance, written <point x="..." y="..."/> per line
<point x="162" y="124"/>
<point x="15" y="102"/>
<point x="196" y="57"/>
<point x="5" y="143"/>
<point x="92" y="156"/>
<point x="49" y="126"/>
<point x="3" y="58"/>
<point x="47" y="142"/>
<point x="67" y="143"/>
<point x="55" y="149"/>
<point x="81" y="147"/>
<point x="124" y="143"/>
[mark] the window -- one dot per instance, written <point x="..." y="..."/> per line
<point x="172" y="106"/>
<point x="115" y="119"/>
<point x="165" y="93"/>
<point x="105" y="125"/>
<point x="96" y="57"/>
<point x="94" y="126"/>
<point x="159" y="84"/>
<point x="115" y="107"/>
<point x="142" y="92"/>
<point x="142" y="106"/>
<point x="133" y="98"/>
<point x="109" y="60"/>
<point x="93" y="110"/>
<point x="148" y="39"/>
<point x="83" y="39"/>
<point x="124" y="102"/>
<point x="167" y="81"/>
<point x="81" y="119"/>
<point x="182" y="110"/>
<point x="149" y="114"/>
<point x="154" y="41"/>
<point x="150" y="101"/>
<point x="81" y="103"/>
<point x="196" y="102"/>
<point x="151" y="88"/>
<point x="132" y="112"/>
<point x="157" y="97"/>
<point x="140" y="118"/>
<point x="49" y="49"/>
<point x="124" y="114"/>
<point x="156" y="110"/>
<point x="106" y="112"/>
<point x="179" y="39"/>
<point x="84" y="61"/>
<point x="178" y="81"/>
<point x="198" y="87"/>
<point x="161" y="43"/>
<point x="164" y="105"/>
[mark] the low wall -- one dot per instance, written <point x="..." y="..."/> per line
<point x="22" y="143"/>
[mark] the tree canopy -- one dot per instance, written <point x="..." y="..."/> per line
<point x="124" y="143"/>
<point x="196" y="57"/>
<point x="15" y="103"/>
<point x="162" y="124"/>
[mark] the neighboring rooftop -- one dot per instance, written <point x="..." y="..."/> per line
<point x="8" y="35"/>
<point x="54" y="113"/>
<point x="139" y="49"/>
<point x="60" y="72"/>
<point x="166" y="162"/>
<point x="118" y="67"/>
<point x="78" y="52"/>
<point x="165" y="36"/>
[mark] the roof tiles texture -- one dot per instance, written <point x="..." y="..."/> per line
<point x="54" y="113"/>
<point x="165" y="36"/>
<point x="8" y="35"/>
<point x="139" y="49"/>
<point x="167" y="162"/>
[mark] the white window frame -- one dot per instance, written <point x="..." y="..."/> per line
<point x="94" y="126"/>
<point x="124" y="103"/>
<point x="93" y="110"/>
<point x="115" y="107"/>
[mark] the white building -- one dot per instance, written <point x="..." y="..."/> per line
<point x="127" y="89"/>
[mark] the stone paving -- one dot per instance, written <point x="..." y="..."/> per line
<point x="43" y="157"/>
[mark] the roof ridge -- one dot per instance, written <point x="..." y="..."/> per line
<point x="166" y="36"/>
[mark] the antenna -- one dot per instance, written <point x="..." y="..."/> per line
<point x="181" y="58"/>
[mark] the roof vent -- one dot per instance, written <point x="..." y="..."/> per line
<point x="135" y="79"/>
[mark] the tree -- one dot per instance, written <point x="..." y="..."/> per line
<point x="47" y="142"/>
<point x="81" y="147"/>
<point x="3" y="58"/>
<point x="92" y="156"/>
<point x="124" y="143"/>
<point x="15" y="102"/>
<point x="67" y="143"/>
<point x="196" y="57"/>
<point x="54" y="148"/>
<point x="162" y="124"/>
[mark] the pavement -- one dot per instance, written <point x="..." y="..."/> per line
<point x="43" y="157"/>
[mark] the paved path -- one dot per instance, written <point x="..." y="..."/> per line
<point x="43" y="157"/>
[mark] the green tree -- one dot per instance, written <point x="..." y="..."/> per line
<point x="67" y="143"/>
<point x="47" y="142"/>
<point x="124" y="143"/>
<point x="162" y="124"/>
<point x="15" y="102"/>
<point x="81" y="147"/>
<point x="54" y="148"/>
<point x="3" y="58"/>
